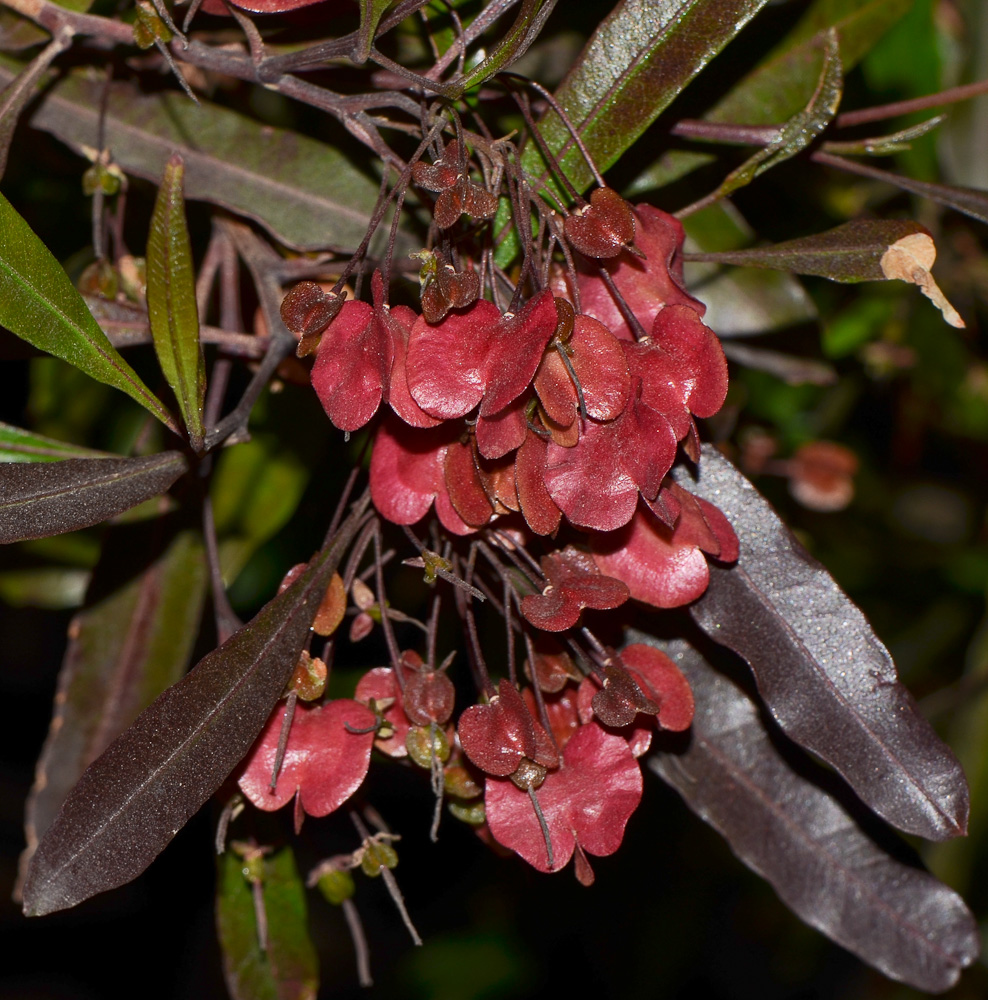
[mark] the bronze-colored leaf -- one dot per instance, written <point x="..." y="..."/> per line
<point x="49" y="498"/>
<point x="151" y="780"/>
<point x="775" y="811"/>
<point x="823" y="673"/>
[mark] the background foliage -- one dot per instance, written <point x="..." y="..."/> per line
<point x="673" y="911"/>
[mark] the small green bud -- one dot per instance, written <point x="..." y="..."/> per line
<point x="472" y="813"/>
<point x="337" y="886"/>
<point x="378" y="854"/>
<point x="424" y="742"/>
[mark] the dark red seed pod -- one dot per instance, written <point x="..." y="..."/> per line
<point x="603" y="228"/>
<point x="429" y="697"/>
<point x="307" y="310"/>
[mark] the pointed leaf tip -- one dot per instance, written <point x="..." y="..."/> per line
<point x="150" y="781"/>
<point x="821" y="670"/>
<point x="40" y="304"/>
<point x="171" y="295"/>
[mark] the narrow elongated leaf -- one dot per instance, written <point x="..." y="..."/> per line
<point x="41" y="306"/>
<point x="851" y="252"/>
<point x="528" y="23"/>
<point x="800" y="130"/>
<point x="783" y="81"/>
<point x="824" y="675"/>
<point x="970" y="201"/>
<point x="172" y="309"/>
<point x="19" y="445"/>
<point x="49" y="498"/>
<point x="20" y="90"/>
<point x="288" y="968"/>
<point x="131" y="642"/>
<point x="785" y="826"/>
<point x="147" y="784"/>
<point x="740" y="302"/>
<point x="371" y="12"/>
<point x="639" y="58"/>
<point x="304" y="192"/>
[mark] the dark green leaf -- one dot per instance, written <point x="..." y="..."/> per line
<point x="639" y="58"/>
<point x="851" y="252"/>
<point x="19" y="445"/>
<point x="800" y="130"/>
<point x="48" y="498"/>
<point x="131" y="642"/>
<point x="40" y="305"/>
<point x="528" y="23"/>
<point x="826" y="678"/>
<point x="371" y="12"/>
<point x="148" y="783"/>
<point x="171" y="294"/>
<point x="304" y="192"/>
<point x="288" y="968"/>
<point x="782" y="83"/>
<point x="780" y="818"/>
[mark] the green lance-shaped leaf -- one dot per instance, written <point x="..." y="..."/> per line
<point x="821" y="670"/>
<point x="528" y="23"/>
<point x="800" y="130"/>
<point x="172" y="309"/>
<point x="785" y="820"/>
<point x="49" y="498"/>
<point x="305" y="193"/>
<point x="131" y="642"/>
<point x="371" y="12"/>
<point x="151" y="780"/>
<point x="287" y="968"/>
<point x="39" y="303"/>
<point x="640" y="57"/>
<point x="19" y="445"/>
<point x="783" y="81"/>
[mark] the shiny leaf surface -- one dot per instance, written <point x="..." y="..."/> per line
<point x="171" y="294"/>
<point x="779" y="818"/>
<point x="41" y="499"/>
<point x="140" y="792"/>
<point x="827" y="679"/>
<point x="39" y="303"/>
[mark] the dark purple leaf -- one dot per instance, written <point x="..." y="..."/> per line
<point x="150" y="781"/>
<point x="851" y="252"/>
<point x="131" y="642"/>
<point x="970" y="201"/>
<point x="824" y="675"/>
<point x="42" y="499"/>
<point x="791" y="831"/>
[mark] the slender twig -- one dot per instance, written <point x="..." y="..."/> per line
<point x="361" y="951"/>
<point x="954" y="94"/>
